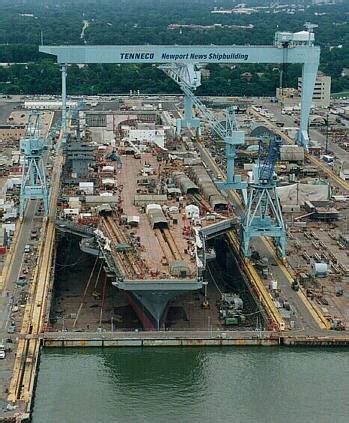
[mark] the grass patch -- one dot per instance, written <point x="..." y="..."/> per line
<point x="341" y="94"/>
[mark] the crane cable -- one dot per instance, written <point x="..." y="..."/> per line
<point x="85" y="292"/>
<point x="214" y="281"/>
<point x="103" y="299"/>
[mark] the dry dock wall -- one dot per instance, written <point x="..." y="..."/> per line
<point x="157" y="342"/>
<point x="163" y="339"/>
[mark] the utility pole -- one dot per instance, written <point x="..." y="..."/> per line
<point x="326" y="149"/>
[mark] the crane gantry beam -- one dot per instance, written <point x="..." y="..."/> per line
<point x="287" y="48"/>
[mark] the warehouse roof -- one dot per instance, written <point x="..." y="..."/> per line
<point x="101" y="199"/>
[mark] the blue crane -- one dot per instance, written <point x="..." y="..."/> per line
<point x="188" y="78"/>
<point x="262" y="216"/>
<point x="32" y="146"/>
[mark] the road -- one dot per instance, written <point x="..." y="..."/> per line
<point x="6" y="108"/>
<point x="10" y="296"/>
<point x="20" y="391"/>
<point x="314" y="134"/>
<point x="303" y="315"/>
<point x="320" y="164"/>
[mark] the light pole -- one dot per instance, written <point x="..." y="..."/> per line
<point x="326" y="148"/>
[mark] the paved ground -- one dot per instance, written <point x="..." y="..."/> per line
<point x="13" y="297"/>
<point x="5" y="110"/>
<point x="315" y="134"/>
<point x="300" y="314"/>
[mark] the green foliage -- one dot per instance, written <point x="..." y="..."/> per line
<point x="146" y="22"/>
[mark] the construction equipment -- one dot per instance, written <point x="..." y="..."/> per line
<point x="32" y="146"/>
<point x="73" y="115"/>
<point x="230" y="310"/>
<point x="188" y="77"/>
<point x="263" y="215"/>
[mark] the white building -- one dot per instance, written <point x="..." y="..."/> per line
<point x="48" y="105"/>
<point x="326" y="2"/>
<point x="322" y="90"/>
<point x="145" y="133"/>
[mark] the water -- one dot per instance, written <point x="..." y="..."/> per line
<point x="196" y="385"/>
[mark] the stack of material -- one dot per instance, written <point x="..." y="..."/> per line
<point x="74" y="203"/>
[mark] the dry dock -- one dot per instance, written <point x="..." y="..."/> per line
<point x="311" y="326"/>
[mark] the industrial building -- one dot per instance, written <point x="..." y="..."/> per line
<point x="140" y="132"/>
<point x="322" y="90"/>
<point x="47" y="104"/>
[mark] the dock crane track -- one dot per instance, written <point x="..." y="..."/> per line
<point x="131" y="264"/>
<point x="168" y="245"/>
<point x="121" y="260"/>
<point x="164" y="245"/>
<point x="317" y="315"/>
<point x="263" y="294"/>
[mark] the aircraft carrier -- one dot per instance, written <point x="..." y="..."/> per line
<point x="149" y="216"/>
<point x="149" y="185"/>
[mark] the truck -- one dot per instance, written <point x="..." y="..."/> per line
<point x="2" y="350"/>
<point x="327" y="159"/>
<point x="34" y="235"/>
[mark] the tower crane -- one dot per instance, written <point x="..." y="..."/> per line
<point x="188" y="77"/>
<point x="263" y="216"/>
<point x="73" y="114"/>
<point x="32" y="146"/>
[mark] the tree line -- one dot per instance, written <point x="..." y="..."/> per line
<point x="146" y="22"/>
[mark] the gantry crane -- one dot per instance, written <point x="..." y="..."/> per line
<point x="188" y="77"/>
<point x="33" y="185"/>
<point x="263" y="215"/>
<point x="298" y="47"/>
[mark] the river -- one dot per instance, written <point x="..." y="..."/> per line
<point x="196" y="385"/>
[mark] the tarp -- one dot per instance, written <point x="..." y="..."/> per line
<point x="299" y="193"/>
